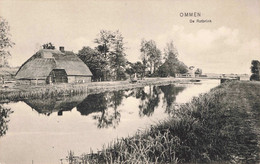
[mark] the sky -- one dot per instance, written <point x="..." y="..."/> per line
<point x="227" y="41"/>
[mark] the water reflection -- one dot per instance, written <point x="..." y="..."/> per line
<point x="58" y="104"/>
<point x="4" y="119"/>
<point x="93" y="103"/>
<point x="105" y="105"/>
<point x="85" y="121"/>
<point x="100" y="103"/>
<point x="170" y="93"/>
<point x="149" y="101"/>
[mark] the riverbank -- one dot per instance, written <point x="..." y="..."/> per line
<point x="46" y="91"/>
<point x="221" y="126"/>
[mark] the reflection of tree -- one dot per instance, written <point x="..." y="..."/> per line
<point x="140" y="94"/>
<point x="105" y="105"/>
<point x="102" y="103"/>
<point x="55" y="104"/>
<point x="93" y="103"/>
<point x="149" y="101"/>
<point x="4" y="115"/>
<point x="170" y="93"/>
<point x="116" y="98"/>
<point x="129" y="93"/>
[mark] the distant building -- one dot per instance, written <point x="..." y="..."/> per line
<point x="244" y="77"/>
<point x="54" y="66"/>
<point x="190" y="73"/>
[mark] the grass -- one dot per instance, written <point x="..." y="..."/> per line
<point x="45" y="91"/>
<point x="19" y="92"/>
<point x="221" y="126"/>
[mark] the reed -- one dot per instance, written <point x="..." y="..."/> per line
<point x="217" y="127"/>
<point x="45" y="92"/>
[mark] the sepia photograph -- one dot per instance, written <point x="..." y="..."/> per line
<point x="129" y="81"/>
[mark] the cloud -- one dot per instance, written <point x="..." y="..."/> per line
<point x="79" y="42"/>
<point x="133" y="49"/>
<point x="221" y="50"/>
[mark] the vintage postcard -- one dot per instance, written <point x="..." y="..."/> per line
<point x="129" y="81"/>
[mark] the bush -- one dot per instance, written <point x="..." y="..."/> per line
<point x="254" y="77"/>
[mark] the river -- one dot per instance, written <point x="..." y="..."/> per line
<point x="42" y="131"/>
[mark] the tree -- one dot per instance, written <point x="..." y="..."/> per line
<point x="111" y="47"/>
<point x="151" y="55"/>
<point x="182" y="68"/>
<point x="163" y="70"/>
<point x="170" y="52"/>
<point x="5" y="42"/>
<point x="94" y="60"/>
<point x="4" y="119"/>
<point x="48" y="46"/>
<point x="129" y="68"/>
<point x="117" y="57"/>
<point x="104" y="42"/>
<point x="255" y="70"/>
<point x="172" y="65"/>
<point x="137" y="68"/>
<point x="198" y="71"/>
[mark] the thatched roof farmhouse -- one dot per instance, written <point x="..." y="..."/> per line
<point x="54" y="66"/>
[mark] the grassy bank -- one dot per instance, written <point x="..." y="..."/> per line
<point x="47" y="91"/>
<point x="221" y="126"/>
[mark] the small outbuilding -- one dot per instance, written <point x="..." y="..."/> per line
<point x="49" y="66"/>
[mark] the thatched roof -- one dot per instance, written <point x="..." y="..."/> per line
<point x="44" y="61"/>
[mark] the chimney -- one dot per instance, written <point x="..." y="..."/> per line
<point x="62" y="49"/>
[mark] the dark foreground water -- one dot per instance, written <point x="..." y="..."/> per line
<point x="43" y="131"/>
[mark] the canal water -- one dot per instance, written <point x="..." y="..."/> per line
<point x="42" y="131"/>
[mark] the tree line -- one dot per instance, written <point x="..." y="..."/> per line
<point x="107" y="60"/>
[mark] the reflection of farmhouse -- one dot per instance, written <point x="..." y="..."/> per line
<point x="50" y="105"/>
<point x="54" y="66"/>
